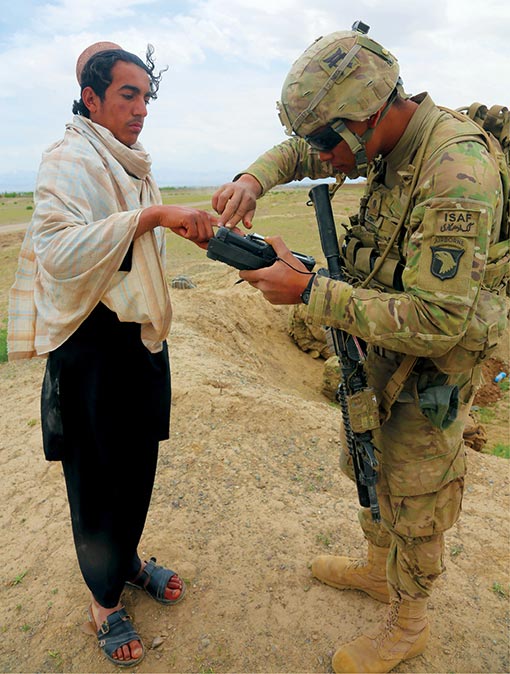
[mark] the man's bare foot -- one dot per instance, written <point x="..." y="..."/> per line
<point x="130" y="651"/>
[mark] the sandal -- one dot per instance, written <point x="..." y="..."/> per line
<point x="154" y="580"/>
<point x="116" y="631"/>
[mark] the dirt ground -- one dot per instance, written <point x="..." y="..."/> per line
<point x="248" y="491"/>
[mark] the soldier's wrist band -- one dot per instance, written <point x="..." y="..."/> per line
<point x="305" y="295"/>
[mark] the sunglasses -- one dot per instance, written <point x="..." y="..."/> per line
<point x="327" y="138"/>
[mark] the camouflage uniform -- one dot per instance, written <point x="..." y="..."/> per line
<point x="430" y="301"/>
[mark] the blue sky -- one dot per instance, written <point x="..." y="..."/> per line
<point x="227" y="61"/>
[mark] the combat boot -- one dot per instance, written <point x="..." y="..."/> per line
<point x="403" y="635"/>
<point x="345" y="573"/>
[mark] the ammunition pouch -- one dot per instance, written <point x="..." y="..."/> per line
<point x="484" y="332"/>
<point x="497" y="272"/>
<point x="359" y="260"/>
<point x="363" y="410"/>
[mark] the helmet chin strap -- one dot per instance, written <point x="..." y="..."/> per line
<point x="357" y="144"/>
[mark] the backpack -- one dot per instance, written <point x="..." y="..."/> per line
<point x="495" y="121"/>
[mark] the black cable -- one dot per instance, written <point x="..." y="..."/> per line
<point x="310" y="273"/>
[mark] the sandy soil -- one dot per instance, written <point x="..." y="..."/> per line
<point x="248" y="491"/>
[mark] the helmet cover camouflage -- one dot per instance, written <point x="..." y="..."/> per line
<point x="344" y="75"/>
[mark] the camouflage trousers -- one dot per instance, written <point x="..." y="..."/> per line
<point x="420" y="477"/>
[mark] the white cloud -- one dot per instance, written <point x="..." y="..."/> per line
<point x="227" y="61"/>
<point x="71" y="16"/>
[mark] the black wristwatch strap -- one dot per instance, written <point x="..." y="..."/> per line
<point x="305" y="295"/>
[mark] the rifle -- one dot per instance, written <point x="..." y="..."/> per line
<point x="357" y="400"/>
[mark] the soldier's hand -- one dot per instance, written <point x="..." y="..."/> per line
<point x="284" y="281"/>
<point x="237" y="201"/>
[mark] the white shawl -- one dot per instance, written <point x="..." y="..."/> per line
<point x="90" y="191"/>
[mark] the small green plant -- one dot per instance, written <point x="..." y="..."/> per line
<point x="323" y="539"/>
<point x="498" y="589"/>
<point x="57" y="658"/>
<point x="25" y="628"/>
<point x="17" y="579"/>
<point x="456" y="550"/>
<point x="31" y="422"/>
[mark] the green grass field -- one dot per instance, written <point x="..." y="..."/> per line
<point x="16" y="207"/>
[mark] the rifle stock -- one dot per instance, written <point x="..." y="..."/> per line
<point x="350" y="356"/>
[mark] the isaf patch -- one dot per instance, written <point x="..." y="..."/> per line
<point x="457" y="223"/>
<point x="445" y="261"/>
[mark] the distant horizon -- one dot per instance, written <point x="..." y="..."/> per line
<point x="24" y="188"/>
<point x="26" y="182"/>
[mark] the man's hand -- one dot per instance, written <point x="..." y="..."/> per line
<point x="236" y="202"/>
<point x="284" y="281"/>
<point x="190" y="223"/>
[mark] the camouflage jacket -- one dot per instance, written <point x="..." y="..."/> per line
<point x="452" y="219"/>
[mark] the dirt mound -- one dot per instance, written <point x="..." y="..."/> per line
<point x="490" y="391"/>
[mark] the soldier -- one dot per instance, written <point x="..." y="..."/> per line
<point x="420" y="297"/>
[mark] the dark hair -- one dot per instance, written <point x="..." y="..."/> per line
<point x="97" y="74"/>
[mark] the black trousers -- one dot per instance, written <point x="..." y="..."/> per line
<point x="105" y="406"/>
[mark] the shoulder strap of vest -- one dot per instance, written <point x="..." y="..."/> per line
<point x="395" y="385"/>
<point x="417" y="164"/>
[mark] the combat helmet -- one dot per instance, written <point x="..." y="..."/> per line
<point x="342" y="76"/>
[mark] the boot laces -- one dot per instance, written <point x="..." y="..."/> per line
<point x="359" y="564"/>
<point x="391" y="621"/>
